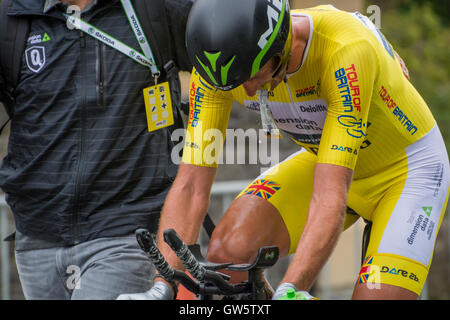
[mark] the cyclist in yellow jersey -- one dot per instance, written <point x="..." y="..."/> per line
<point x="370" y="143"/>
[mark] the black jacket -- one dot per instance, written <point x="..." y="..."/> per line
<point x="81" y="163"/>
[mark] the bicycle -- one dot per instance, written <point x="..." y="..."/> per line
<point x="207" y="281"/>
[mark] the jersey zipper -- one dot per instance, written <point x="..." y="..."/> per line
<point x="82" y="151"/>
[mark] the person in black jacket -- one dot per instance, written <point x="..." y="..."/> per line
<point x="84" y="168"/>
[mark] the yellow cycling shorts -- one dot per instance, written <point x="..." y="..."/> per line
<point x="405" y="203"/>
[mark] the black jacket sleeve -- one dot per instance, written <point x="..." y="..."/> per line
<point x="3" y="114"/>
<point x="5" y="99"/>
<point x="2" y="87"/>
<point x="4" y="111"/>
<point x="177" y="13"/>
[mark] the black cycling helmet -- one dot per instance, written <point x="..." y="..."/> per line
<point x="228" y="41"/>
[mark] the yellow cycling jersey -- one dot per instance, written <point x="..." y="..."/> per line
<point x="349" y="103"/>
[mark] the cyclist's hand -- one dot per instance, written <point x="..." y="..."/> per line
<point x="288" y="291"/>
<point x="159" y="291"/>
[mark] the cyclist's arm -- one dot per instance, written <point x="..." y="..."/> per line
<point x="324" y="224"/>
<point x="185" y="207"/>
<point x="344" y="131"/>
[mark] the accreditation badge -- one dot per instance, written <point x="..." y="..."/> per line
<point x="158" y="106"/>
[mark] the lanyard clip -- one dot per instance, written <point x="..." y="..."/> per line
<point x="156" y="76"/>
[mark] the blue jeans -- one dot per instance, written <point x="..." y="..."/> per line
<point x="100" y="269"/>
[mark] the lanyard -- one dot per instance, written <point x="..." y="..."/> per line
<point x="147" y="59"/>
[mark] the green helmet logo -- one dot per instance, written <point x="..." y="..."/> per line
<point x="212" y="57"/>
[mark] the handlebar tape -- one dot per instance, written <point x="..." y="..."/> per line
<point x="147" y="244"/>
<point x="184" y="254"/>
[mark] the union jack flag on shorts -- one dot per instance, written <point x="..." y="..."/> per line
<point x="262" y="188"/>
<point x="365" y="273"/>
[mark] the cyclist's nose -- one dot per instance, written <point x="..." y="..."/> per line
<point x="251" y="87"/>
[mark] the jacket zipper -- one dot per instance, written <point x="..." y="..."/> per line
<point x="81" y="162"/>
